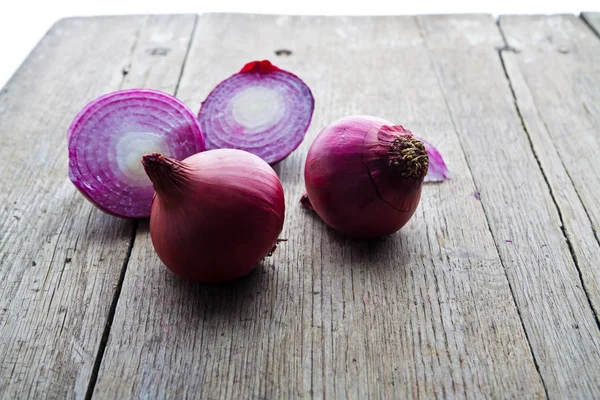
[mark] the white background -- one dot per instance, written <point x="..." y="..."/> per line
<point x="24" y="22"/>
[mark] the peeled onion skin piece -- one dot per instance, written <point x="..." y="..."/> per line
<point x="356" y="180"/>
<point x="216" y="214"/>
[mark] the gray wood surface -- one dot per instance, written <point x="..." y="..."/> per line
<point x="60" y="257"/>
<point x="486" y="296"/>
<point x="593" y="20"/>
<point x="522" y="216"/>
<point x="329" y="316"/>
<point x="556" y="79"/>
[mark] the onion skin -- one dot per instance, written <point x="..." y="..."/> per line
<point x="357" y="179"/>
<point x="216" y="214"/>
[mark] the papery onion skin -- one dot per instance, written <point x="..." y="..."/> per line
<point x="288" y="103"/>
<point x="106" y="135"/>
<point x="216" y="214"/>
<point x="357" y="180"/>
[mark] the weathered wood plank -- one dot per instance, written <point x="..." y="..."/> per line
<point x="523" y="218"/>
<point x="593" y="20"/>
<point x="60" y="258"/>
<point x="556" y="86"/>
<point x="427" y="312"/>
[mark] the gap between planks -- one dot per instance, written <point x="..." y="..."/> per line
<point x="477" y="188"/>
<point x="585" y="17"/>
<point x="115" y="301"/>
<point x="321" y="280"/>
<point x="517" y="109"/>
<point x="485" y="211"/>
<point x="552" y="173"/>
<point x="564" y="229"/>
<point x="578" y="279"/>
<point x="111" y="315"/>
<point x="558" y="209"/>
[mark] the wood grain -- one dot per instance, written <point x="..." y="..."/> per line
<point x="427" y="312"/>
<point x="520" y="210"/>
<point x="556" y="84"/>
<point x="60" y="258"/>
<point x="487" y="293"/>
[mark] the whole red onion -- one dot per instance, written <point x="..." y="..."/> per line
<point x="216" y="214"/>
<point x="364" y="176"/>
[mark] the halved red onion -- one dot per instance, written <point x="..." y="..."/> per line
<point x="108" y="138"/>
<point x="262" y="109"/>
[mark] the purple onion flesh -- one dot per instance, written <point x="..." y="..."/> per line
<point x="262" y="109"/>
<point x="108" y="138"/>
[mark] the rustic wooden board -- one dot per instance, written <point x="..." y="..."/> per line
<point x="427" y="312"/>
<point x="522" y="216"/>
<point x="473" y="299"/>
<point x="556" y="79"/>
<point x="61" y="258"/>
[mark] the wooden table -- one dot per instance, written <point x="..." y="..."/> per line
<point x="491" y="291"/>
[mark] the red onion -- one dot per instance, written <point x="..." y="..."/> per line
<point x="364" y="175"/>
<point x="262" y="109"/>
<point x="216" y="214"/>
<point x="110" y="135"/>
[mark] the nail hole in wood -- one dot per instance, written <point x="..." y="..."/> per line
<point x="159" y="51"/>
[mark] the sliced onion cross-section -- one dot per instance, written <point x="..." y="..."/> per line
<point x="263" y="110"/>
<point x="109" y="137"/>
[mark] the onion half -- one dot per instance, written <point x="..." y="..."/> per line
<point x="262" y="109"/>
<point x="108" y="138"/>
